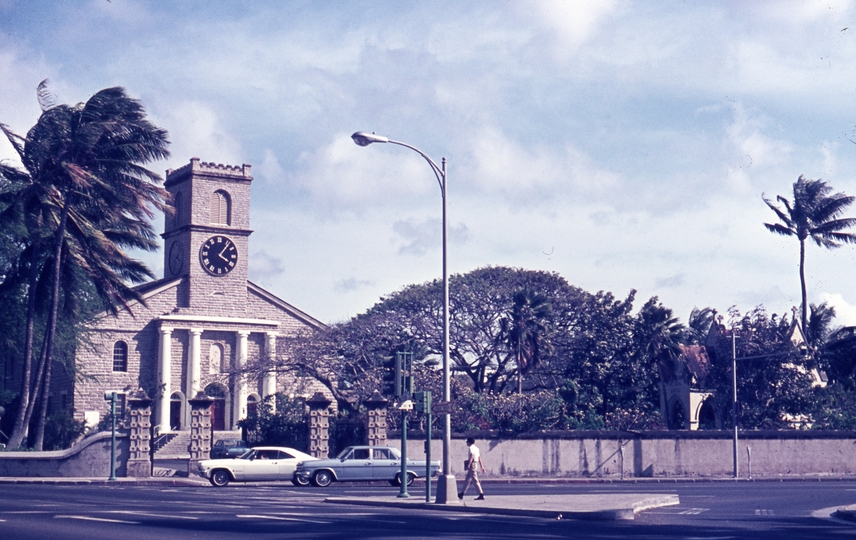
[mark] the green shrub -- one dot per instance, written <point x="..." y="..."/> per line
<point x="61" y="430"/>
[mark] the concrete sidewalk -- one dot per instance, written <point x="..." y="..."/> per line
<point x="604" y="507"/>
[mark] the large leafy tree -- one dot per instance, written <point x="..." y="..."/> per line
<point x="83" y="197"/>
<point x="813" y="214"/>
<point x="773" y="385"/>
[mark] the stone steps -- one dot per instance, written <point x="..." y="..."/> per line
<point x="179" y="446"/>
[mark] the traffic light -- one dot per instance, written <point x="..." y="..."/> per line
<point x="390" y="376"/>
<point x="404" y="384"/>
<point x="422" y="401"/>
<point x="397" y="374"/>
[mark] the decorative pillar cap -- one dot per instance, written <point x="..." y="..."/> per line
<point x="376" y="401"/>
<point x="318" y="401"/>
<point x="201" y="399"/>
<point x="139" y="398"/>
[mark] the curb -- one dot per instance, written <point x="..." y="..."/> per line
<point x="174" y="482"/>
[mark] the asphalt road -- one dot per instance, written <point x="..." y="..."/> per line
<point x="710" y="510"/>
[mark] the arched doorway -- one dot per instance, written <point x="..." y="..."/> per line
<point x="707" y="415"/>
<point x="252" y="406"/>
<point x="218" y="409"/>
<point x="175" y="401"/>
<point x="677" y="415"/>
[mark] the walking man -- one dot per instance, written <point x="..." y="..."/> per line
<point x="473" y="460"/>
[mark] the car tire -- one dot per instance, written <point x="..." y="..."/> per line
<point x="397" y="481"/>
<point x="298" y="481"/>
<point x="220" y="478"/>
<point x="322" y="478"/>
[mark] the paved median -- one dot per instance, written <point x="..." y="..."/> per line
<point x="605" y="507"/>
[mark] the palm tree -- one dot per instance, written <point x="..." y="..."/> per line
<point x="524" y="331"/>
<point x="698" y="324"/>
<point x="660" y="338"/>
<point x="813" y="214"/>
<point x="84" y="178"/>
<point x="819" y="325"/>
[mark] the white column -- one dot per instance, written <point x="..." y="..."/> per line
<point x="164" y="376"/>
<point x="239" y="395"/>
<point x="269" y="386"/>
<point x="193" y="367"/>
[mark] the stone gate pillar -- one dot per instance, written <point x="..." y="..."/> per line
<point x="200" y="430"/>
<point x="319" y="425"/>
<point x="140" y="456"/>
<point x="376" y="405"/>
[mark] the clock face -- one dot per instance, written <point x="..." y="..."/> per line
<point x="176" y="258"/>
<point x="218" y="255"/>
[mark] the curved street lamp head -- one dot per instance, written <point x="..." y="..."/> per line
<point x="364" y="139"/>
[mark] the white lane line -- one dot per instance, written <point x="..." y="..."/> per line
<point x="281" y="518"/>
<point x="26" y="512"/>
<point x="146" y="514"/>
<point x="102" y="520"/>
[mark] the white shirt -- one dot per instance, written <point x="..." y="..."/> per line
<point x="474" y="455"/>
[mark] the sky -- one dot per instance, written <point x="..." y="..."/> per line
<point x="621" y="144"/>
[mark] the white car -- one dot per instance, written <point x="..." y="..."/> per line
<point x="263" y="463"/>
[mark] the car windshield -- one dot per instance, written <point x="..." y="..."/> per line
<point x="247" y="455"/>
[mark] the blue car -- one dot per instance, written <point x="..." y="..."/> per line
<point x="362" y="463"/>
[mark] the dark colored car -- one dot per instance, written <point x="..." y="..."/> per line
<point x="228" y="448"/>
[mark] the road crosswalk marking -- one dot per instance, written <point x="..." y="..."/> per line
<point x="764" y="512"/>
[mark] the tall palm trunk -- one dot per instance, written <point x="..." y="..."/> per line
<point x="40" y="389"/>
<point x="804" y="318"/>
<point x="50" y="330"/>
<point x="20" y="428"/>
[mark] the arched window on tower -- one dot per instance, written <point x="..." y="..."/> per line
<point x="120" y="356"/>
<point x="221" y="208"/>
<point x="177" y="203"/>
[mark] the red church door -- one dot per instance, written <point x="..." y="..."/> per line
<point x="218" y="415"/>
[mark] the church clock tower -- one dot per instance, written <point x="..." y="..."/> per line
<point x="206" y="239"/>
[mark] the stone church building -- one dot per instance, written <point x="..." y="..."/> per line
<point x="200" y="322"/>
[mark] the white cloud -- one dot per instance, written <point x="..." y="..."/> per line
<point x="270" y="169"/>
<point x="845" y="312"/>
<point x="571" y="22"/>
<point x="344" y="176"/>
<point x="536" y="174"/>
<point x="195" y="130"/>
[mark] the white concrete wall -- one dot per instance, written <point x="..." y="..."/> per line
<point x="655" y="454"/>
<point x="87" y="459"/>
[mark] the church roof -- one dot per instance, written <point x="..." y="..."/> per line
<point x="285" y="306"/>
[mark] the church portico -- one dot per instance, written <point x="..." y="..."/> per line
<point x="217" y="349"/>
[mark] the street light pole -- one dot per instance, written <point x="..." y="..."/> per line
<point x="447" y="488"/>
<point x="734" y="359"/>
<point x="734" y="401"/>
